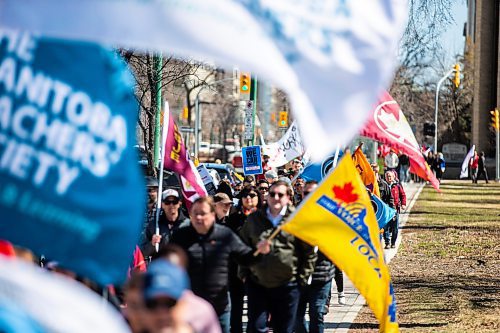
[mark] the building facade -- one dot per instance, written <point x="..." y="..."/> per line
<point x="482" y="35"/>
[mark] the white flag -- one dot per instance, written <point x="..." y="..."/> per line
<point x="333" y="57"/>
<point x="286" y="149"/>
<point x="465" y="164"/>
<point x="54" y="302"/>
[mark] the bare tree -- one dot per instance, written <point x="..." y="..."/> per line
<point x="179" y="77"/>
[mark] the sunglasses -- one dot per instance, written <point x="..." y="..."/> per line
<point x="264" y="189"/>
<point x="274" y="194"/>
<point x="251" y="195"/>
<point x="153" y="304"/>
<point x="171" y="202"/>
<point x="306" y="193"/>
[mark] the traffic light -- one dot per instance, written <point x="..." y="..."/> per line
<point x="495" y="121"/>
<point x="245" y="80"/>
<point x="185" y="113"/>
<point x="456" y="80"/>
<point x="429" y="129"/>
<point x="283" y="119"/>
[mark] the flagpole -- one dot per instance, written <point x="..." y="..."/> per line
<point x="335" y="161"/>
<point x="273" y="235"/>
<point x="166" y="116"/>
<point x="336" y="158"/>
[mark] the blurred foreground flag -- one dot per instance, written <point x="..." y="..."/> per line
<point x="332" y="57"/>
<point x="388" y="124"/>
<point x="70" y="185"/>
<point x="365" y="171"/>
<point x="338" y="218"/>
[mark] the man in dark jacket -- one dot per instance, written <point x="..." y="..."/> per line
<point x="481" y="168"/>
<point x="210" y="246"/>
<point x="317" y="292"/>
<point x="385" y="190"/>
<point x="273" y="283"/>
<point x="171" y="218"/>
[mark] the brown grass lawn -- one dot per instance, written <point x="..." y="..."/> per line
<point x="446" y="273"/>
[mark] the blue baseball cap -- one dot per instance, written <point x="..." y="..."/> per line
<point x="165" y="279"/>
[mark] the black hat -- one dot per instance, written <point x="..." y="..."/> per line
<point x="151" y="182"/>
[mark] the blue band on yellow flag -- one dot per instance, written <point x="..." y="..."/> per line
<point x="339" y="218"/>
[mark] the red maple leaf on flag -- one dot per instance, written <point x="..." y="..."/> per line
<point x="345" y="193"/>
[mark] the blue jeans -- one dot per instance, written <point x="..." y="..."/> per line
<point x="224" y="320"/>
<point x="391" y="230"/>
<point x="316" y="296"/>
<point x="281" y="302"/>
<point x="404" y="175"/>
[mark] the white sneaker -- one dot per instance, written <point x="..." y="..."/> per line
<point x="341" y="298"/>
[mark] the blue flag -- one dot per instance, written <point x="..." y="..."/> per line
<point x="317" y="171"/>
<point x="383" y="212"/>
<point x="70" y="185"/>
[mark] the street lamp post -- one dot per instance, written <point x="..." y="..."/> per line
<point x="437" y="107"/>
<point x="197" y="123"/>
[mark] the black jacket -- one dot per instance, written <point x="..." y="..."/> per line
<point x="385" y="192"/>
<point x="166" y="230"/>
<point x="290" y="258"/>
<point x="323" y="270"/>
<point x="209" y="257"/>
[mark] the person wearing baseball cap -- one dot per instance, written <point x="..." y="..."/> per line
<point x="171" y="218"/>
<point x="163" y="285"/>
<point x="223" y="205"/>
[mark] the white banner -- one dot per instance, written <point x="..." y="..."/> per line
<point x="333" y="57"/>
<point x="465" y="164"/>
<point x="286" y="149"/>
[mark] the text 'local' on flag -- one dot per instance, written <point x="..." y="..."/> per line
<point x="338" y="218"/>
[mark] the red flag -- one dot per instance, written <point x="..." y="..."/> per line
<point x="389" y="125"/>
<point x="177" y="160"/>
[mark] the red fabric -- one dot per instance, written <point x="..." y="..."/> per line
<point x="474" y="162"/>
<point x="177" y="160"/>
<point x="7" y="249"/>
<point x="399" y="195"/>
<point x="388" y="125"/>
<point x="138" y="263"/>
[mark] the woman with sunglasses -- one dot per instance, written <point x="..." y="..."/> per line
<point x="250" y="201"/>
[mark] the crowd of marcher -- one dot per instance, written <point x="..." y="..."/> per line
<point x="193" y="270"/>
<point x="233" y="249"/>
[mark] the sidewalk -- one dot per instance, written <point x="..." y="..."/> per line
<point x="340" y="318"/>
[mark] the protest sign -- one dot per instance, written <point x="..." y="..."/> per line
<point x="286" y="149"/>
<point x="207" y="179"/>
<point x="252" y="161"/>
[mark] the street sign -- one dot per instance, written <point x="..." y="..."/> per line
<point x="186" y="129"/>
<point x="249" y="120"/>
<point x="252" y="161"/>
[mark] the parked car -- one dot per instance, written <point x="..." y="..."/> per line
<point x="224" y="171"/>
<point x="236" y="160"/>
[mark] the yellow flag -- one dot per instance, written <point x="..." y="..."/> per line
<point x="338" y="218"/>
<point x="366" y="172"/>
